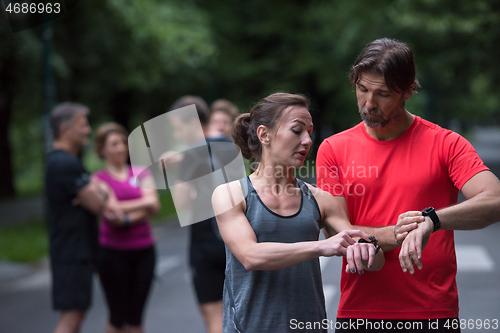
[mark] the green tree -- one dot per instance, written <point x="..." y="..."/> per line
<point x="123" y="58"/>
<point x="19" y="70"/>
<point x="309" y="46"/>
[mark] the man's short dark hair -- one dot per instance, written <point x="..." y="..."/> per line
<point x="201" y="108"/>
<point x="64" y="113"/>
<point x="390" y="58"/>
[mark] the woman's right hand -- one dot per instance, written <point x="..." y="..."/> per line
<point x="113" y="213"/>
<point x="337" y="245"/>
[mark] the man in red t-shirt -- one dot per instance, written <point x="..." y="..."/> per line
<point x="395" y="164"/>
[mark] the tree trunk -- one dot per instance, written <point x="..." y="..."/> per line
<point x="7" y="86"/>
<point x="121" y="103"/>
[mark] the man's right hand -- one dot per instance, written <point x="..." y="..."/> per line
<point x="93" y="196"/>
<point x="407" y="222"/>
<point x="113" y="213"/>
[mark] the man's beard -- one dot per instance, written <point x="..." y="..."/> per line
<point x="374" y="118"/>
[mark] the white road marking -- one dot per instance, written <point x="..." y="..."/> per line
<point x="473" y="258"/>
<point x="38" y="280"/>
<point x="323" y="262"/>
<point x="167" y="263"/>
<point x="42" y="279"/>
<point x="330" y="291"/>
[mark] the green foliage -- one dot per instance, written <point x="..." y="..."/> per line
<point x="136" y="42"/>
<point x="27" y="242"/>
<point x="28" y="155"/>
<point x="129" y="60"/>
<point x="454" y="43"/>
<point x="309" y="47"/>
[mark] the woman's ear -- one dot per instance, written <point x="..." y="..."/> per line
<point x="263" y="135"/>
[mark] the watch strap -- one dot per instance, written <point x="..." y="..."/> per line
<point x="431" y="212"/>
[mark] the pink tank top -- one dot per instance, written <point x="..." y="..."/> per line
<point x="138" y="235"/>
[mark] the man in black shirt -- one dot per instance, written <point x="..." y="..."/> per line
<point x="73" y="201"/>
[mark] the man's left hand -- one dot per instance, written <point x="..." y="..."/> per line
<point x="411" y="249"/>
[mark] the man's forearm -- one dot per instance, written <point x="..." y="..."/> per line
<point x="481" y="209"/>
<point x="475" y="213"/>
<point x="384" y="236"/>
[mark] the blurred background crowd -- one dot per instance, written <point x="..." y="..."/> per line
<point x="129" y="60"/>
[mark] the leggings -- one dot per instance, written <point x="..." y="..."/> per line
<point x="126" y="277"/>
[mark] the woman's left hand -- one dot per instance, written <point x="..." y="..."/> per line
<point x="360" y="256"/>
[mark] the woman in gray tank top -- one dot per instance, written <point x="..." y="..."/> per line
<point x="270" y="223"/>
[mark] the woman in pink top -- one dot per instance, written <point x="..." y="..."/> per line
<point x="127" y="254"/>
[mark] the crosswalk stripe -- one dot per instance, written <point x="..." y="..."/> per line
<point x="473" y="258"/>
<point x="323" y="262"/>
<point x="330" y="291"/>
<point x="42" y="278"/>
<point x="38" y="280"/>
<point x="167" y="263"/>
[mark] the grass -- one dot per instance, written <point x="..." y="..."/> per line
<point x="167" y="211"/>
<point x="26" y="243"/>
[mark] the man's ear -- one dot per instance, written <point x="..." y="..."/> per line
<point x="409" y="93"/>
<point x="263" y="135"/>
<point x="65" y="127"/>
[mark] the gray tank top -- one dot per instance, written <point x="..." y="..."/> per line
<point x="275" y="301"/>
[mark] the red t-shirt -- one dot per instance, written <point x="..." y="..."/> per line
<point x="425" y="166"/>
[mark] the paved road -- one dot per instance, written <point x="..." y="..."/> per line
<point x="25" y="293"/>
<point x="24" y="302"/>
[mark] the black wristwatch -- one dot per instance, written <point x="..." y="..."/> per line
<point x="431" y="212"/>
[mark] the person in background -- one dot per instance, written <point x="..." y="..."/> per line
<point x="207" y="257"/>
<point x="73" y="201"/>
<point x="126" y="258"/>
<point x="223" y="114"/>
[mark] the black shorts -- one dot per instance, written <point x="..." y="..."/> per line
<point x="442" y="325"/>
<point x="208" y="265"/>
<point x="72" y="285"/>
